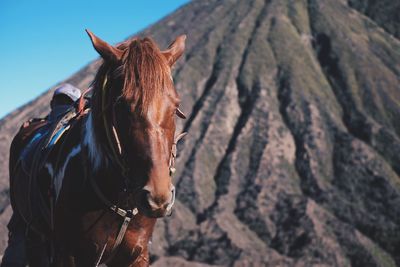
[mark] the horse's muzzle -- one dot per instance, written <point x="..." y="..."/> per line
<point x="155" y="206"/>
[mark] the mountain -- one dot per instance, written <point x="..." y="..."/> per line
<point x="293" y="152"/>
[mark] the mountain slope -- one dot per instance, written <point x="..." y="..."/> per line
<point x="293" y="152"/>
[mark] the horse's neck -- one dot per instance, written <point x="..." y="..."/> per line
<point x="100" y="168"/>
<point x="104" y="174"/>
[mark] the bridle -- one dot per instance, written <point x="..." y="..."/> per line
<point x="114" y="142"/>
<point x="120" y="162"/>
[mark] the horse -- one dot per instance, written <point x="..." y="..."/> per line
<point x="98" y="193"/>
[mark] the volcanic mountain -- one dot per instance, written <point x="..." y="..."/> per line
<point x="293" y="152"/>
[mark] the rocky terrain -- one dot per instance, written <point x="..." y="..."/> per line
<point x="293" y="152"/>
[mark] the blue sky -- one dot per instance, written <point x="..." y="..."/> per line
<point x="43" y="42"/>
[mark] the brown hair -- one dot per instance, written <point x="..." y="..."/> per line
<point x="146" y="72"/>
<point x="146" y="77"/>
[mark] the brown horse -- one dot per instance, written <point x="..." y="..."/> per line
<point x="110" y="175"/>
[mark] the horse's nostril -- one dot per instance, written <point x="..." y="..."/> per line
<point x="144" y="197"/>
<point x="147" y="189"/>
<point x="145" y="194"/>
<point x="153" y="202"/>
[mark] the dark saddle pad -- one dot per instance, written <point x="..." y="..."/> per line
<point x="42" y="142"/>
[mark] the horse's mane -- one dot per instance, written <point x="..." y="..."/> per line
<point x="146" y="75"/>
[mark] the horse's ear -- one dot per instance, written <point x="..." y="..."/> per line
<point x="106" y="51"/>
<point x="175" y="50"/>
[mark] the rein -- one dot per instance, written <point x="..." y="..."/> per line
<point x="112" y="137"/>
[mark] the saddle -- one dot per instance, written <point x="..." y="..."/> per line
<point x="28" y="188"/>
<point x="40" y="135"/>
<point x="30" y="192"/>
<point x="43" y="135"/>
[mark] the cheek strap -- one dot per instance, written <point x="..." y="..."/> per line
<point x="172" y="158"/>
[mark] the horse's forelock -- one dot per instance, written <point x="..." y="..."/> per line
<point x="146" y="72"/>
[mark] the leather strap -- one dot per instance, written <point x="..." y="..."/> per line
<point x="121" y="234"/>
<point x="172" y="169"/>
<point x="111" y="132"/>
<point x="81" y="103"/>
<point x="126" y="214"/>
<point x="114" y="208"/>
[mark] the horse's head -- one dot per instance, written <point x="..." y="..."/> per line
<point x="139" y="101"/>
